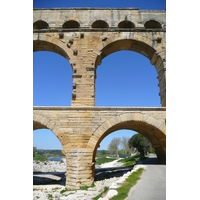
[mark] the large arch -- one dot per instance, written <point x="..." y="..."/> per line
<point x="139" y="44"/>
<point x="138" y="85"/>
<point x="40" y="121"/>
<point x="153" y="129"/>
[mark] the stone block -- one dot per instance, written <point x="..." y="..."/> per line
<point x="111" y="193"/>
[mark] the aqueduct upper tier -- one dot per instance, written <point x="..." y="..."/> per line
<point x="85" y="36"/>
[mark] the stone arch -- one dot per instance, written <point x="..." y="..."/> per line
<point x="131" y="41"/>
<point x="46" y="43"/>
<point x="100" y="24"/>
<point x="150" y="127"/>
<point x="140" y="44"/>
<point x="71" y="24"/>
<point x="40" y="24"/>
<point x="40" y="121"/>
<point x="126" y="24"/>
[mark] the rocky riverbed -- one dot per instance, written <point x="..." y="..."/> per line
<point x="49" y="181"/>
<point x="49" y="166"/>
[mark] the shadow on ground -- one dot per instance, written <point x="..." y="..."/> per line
<point x="58" y="178"/>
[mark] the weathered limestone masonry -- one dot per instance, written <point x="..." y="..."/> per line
<point x="81" y="129"/>
<point x="84" y="37"/>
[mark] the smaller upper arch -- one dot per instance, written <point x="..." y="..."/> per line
<point x="40" y="24"/>
<point x="100" y="24"/>
<point x="152" y="24"/>
<point x="126" y="24"/>
<point x="71" y="24"/>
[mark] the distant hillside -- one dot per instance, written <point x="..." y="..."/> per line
<point x="49" y="153"/>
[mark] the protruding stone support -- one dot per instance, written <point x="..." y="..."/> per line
<point x="161" y="155"/>
<point x="159" y="61"/>
<point x="79" y="168"/>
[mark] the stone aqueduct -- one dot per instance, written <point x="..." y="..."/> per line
<point x="85" y="36"/>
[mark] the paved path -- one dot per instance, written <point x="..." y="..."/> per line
<point x="152" y="185"/>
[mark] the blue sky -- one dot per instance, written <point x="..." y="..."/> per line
<point x="142" y="4"/>
<point x="124" y="71"/>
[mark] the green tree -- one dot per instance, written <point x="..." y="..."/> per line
<point x="141" y="143"/>
<point x="34" y="151"/>
<point x="103" y="152"/>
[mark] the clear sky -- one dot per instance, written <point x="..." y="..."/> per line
<point x="124" y="78"/>
<point x="142" y="4"/>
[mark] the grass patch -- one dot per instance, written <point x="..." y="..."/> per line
<point x="128" y="161"/>
<point x="40" y="158"/>
<point x="100" y="195"/>
<point x="132" y="160"/>
<point x="84" y="187"/>
<point x="50" y="196"/>
<point x="103" y="160"/>
<point x="63" y="191"/>
<point x="130" y="182"/>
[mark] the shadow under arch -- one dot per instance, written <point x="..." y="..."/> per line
<point x="40" y="24"/>
<point x="142" y="46"/>
<point x="154" y="130"/>
<point x="39" y="122"/>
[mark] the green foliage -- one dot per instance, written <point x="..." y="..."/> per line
<point x="43" y="155"/>
<point x="84" y="187"/>
<point x="104" y="160"/>
<point x="130" y="182"/>
<point x="128" y="161"/>
<point x="50" y="196"/>
<point x="141" y="143"/>
<point x="99" y="196"/>
<point x="63" y="191"/>
<point x="40" y="158"/>
<point x="34" y="151"/>
<point x="102" y="153"/>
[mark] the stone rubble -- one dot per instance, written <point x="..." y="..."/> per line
<point x="49" y="166"/>
<point x="44" y="192"/>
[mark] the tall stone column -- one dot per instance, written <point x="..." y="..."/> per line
<point x="79" y="168"/>
<point x="83" y="65"/>
<point x="83" y="93"/>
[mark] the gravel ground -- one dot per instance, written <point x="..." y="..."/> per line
<point x="49" y="181"/>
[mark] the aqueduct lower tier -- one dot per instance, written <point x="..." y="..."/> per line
<point x="81" y="129"/>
